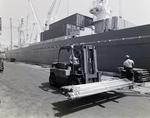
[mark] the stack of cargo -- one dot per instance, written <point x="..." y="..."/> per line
<point x="83" y="90"/>
<point x="140" y="74"/>
<point x="66" y="26"/>
<point x="114" y="23"/>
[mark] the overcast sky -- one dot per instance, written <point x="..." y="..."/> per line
<point x="135" y="11"/>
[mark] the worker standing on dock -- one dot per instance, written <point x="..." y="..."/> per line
<point x="129" y="65"/>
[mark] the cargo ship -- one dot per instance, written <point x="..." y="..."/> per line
<point x="113" y="37"/>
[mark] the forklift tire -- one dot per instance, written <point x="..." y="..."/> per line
<point x="52" y="80"/>
<point x="73" y="81"/>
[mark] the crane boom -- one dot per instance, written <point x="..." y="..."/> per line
<point x="35" y="16"/>
<point x="50" y="13"/>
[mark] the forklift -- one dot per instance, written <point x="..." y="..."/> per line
<point x="76" y="64"/>
<point x="76" y="70"/>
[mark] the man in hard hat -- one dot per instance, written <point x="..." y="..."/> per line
<point x="74" y="59"/>
<point x="129" y="65"/>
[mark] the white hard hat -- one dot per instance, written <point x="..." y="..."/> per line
<point x="127" y="56"/>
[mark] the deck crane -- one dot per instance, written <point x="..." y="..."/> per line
<point x="40" y="28"/>
<point x="50" y="13"/>
<point x="100" y="9"/>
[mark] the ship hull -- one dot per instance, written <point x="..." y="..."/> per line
<point x="111" y="47"/>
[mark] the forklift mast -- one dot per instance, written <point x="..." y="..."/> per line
<point x="88" y="60"/>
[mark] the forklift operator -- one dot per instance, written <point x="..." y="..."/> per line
<point x="74" y="63"/>
<point x="73" y="59"/>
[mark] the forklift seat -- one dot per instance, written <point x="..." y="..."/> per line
<point x="62" y="65"/>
